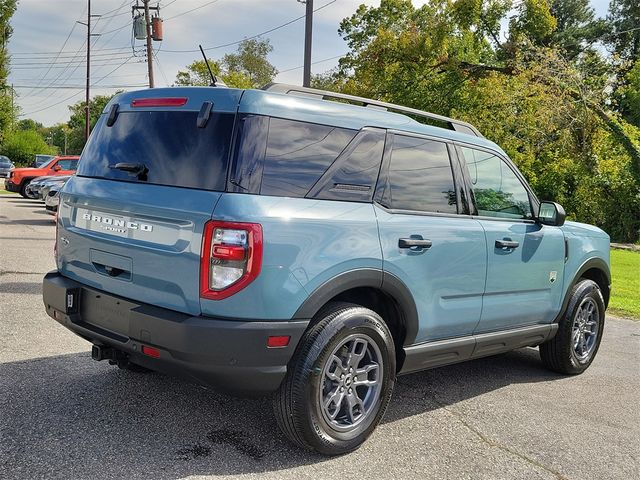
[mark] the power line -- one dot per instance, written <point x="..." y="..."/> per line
<point x="59" y="51"/>
<point x="76" y="56"/>
<point x="45" y="61"/>
<point x="253" y="36"/>
<point x="109" y="61"/>
<point x="76" y="87"/>
<point x="53" y="53"/>
<point x="77" y="93"/>
<point x="192" y="10"/>
<point x="312" y="63"/>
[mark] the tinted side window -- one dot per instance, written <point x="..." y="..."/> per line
<point x="498" y="192"/>
<point x="68" y="164"/>
<point x="297" y="155"/>
<point x="251" y="145"/>
<point x="353" y="175"/>
<point x="420" y="176"/>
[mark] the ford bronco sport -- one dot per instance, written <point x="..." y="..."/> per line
<point x="277" y="241"/>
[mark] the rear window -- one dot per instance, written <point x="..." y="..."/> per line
<point x="169" y="144"/>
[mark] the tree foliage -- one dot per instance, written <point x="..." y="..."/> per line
<point x="540" y="90"/>
<point x="75" y="140"/>
<point x="21" y="145"/>
<point x="7" y="113"/>
<point x="247" y="68"/>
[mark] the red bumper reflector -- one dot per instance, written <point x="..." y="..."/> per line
<point x="150" y="351"/>
<point x="159" y="102"/>
<point x="278" y="342"/>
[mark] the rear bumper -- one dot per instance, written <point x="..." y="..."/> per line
<point x="226" y="354"/>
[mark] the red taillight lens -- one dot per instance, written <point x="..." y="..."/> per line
<point x="159" y="102"/>
<point x="231" y="258"/>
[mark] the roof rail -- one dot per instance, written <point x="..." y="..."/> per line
<point x="452" y="124"/>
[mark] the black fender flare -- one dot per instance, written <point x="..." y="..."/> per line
<point x="365" y="277"/>
<point x="591" y="263"/>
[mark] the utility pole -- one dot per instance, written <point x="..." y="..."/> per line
<point x="149" y="34"/>
<point x="87" y="107"/>
<point x="147" y="19"/>
<point x="308" y="33"/>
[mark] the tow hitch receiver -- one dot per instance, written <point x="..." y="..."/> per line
<point x="115" y="357"/>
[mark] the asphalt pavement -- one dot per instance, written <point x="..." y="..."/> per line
<point x="65" y="416"/>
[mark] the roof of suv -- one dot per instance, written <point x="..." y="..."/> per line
<point x="302" y="106"/>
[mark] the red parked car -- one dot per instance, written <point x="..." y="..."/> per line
<point x="19" y="178"/>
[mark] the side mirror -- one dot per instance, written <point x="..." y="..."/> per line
<point x="551" y="213"/>
<point x="57" y="168"/>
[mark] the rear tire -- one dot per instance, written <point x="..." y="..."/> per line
<point x="339" y="381"/>
<point x="580" y="331"/>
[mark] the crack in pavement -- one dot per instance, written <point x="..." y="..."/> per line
<point x="430" y="395"/>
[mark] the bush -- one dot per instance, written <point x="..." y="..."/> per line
<point x="21" y="145"/>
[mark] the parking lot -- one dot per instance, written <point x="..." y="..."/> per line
<point x="63" y="415"/>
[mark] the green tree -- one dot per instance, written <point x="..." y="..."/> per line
<point x="624" y="20"/>
<point x="7" y="113"/>
<point x="251" y="62"/>
<point x="548" y="109"/>
<point x="21" y="145"/>
<point x="76" y="122"/>
<point x="577" y="27"/>
<point x="247" y="68"/>
<point x="628" y="95"/>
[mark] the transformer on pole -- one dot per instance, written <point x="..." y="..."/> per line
<point x="147" y="28"/>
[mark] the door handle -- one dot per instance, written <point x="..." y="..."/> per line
<point x="420" y="243"/>
<point x="503" y="244"/>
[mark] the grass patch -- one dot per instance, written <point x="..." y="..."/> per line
<point x="4" y="192"/>
<point x="625" y="295"/>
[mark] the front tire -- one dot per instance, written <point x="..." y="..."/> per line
<point x="23" y="188"/>
<point x="580" y="331"/>
<point x="339" y="382"/>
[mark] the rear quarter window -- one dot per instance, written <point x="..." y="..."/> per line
<point x="297" y="155"/>
<point x="175" y="151"/>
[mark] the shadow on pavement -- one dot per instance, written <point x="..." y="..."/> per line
<point x="35" y="222"/>
<point x="70" y="417"/>
<point x="34" y="288"/>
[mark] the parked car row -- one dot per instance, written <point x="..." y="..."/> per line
<point x="20" y="179"/>
<point x="40" y="183"/>
<point x="47" y="189"/>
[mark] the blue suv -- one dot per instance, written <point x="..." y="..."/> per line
<point x="313" y="246"/>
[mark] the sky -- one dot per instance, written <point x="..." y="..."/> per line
<point x="48" y="45"/>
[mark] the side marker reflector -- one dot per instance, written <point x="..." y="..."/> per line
<point x="278" y="341"/>
<point x="150" y="351"/>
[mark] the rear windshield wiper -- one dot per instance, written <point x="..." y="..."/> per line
<point x="138" y="169"/>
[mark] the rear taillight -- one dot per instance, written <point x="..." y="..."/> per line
<point x="231" y="258"/>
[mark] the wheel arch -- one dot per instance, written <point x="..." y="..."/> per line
<point x="377" y="290"/>
<point x="595" y="269"/>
